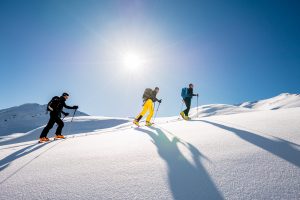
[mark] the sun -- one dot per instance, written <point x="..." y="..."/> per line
<point x="133" y="61"/>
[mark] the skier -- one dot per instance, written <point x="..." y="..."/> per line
<point x="55" y="106"/>
<point x="149" y="97"/>
<point x="187" y="95"/>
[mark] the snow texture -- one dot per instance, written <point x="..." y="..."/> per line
<point x="247" y="153"/>
<point x="26" y="117"/>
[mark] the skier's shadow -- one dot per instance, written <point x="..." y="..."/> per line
<point x="76" y="127"/>
<point x="187" y="181"/>
<point x="279" y="147"/>
<point x="5" y="162"/>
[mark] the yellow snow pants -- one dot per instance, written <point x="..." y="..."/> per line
<point x="148" y="106"/>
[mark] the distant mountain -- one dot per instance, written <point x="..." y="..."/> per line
<point x="20" y="119"/>
<point x="281" y="101"/>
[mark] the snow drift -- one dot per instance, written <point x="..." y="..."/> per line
<point x="249" y="151"/>
<point x="251" y="155"/>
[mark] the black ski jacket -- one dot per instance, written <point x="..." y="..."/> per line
<point x="62" y="104"/>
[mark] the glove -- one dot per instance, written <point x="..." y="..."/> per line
<point x="75" y="107"/>
<point x="159" y="101"/>
<point x="66" y="114"/>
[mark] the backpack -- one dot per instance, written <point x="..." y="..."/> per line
<point x="53" y="103"/>
<point x="147" y="94"/>
<point x="184" y="93"/>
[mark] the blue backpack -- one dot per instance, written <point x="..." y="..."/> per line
<point x="184" y="93"/>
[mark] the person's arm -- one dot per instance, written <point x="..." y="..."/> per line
<point x="158" y="100"/>
<point x="153" y="96"/>
<point x="70" y="107"/>
<point x="191" y="92"/>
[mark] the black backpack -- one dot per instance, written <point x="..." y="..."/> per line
<point x="53" y="103"/>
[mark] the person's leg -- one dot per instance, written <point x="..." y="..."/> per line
<point x="151" y="108"/>
<point x="48" y="127"/>
<point x="187" y="102"/>
<point x="185" y="110"/>
<point x="144" y="111"/>
<point x="188" y="107"/>
<point x="60" y="124"/>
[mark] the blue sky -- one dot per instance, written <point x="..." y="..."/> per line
<point x="233" y="51"/>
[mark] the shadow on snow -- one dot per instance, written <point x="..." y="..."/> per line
<point x="187" y="181"/>
<point x="70" y="128"/>
<point x="279" y="147"/>
<point x="5" y="162"/>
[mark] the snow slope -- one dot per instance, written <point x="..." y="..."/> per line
<point x="17" y="121"/>
<point x="217" y="109"/>
<point x="80" y="126"/>
<point x="281" y="101"/>
<point x="284" y="100"/>
<point x="20" y="119"/>
<point x="249" y="155"/>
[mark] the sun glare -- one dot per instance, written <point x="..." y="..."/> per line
<point x="133" y="61"/>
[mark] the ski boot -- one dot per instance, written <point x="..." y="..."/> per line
<point x="57" y="137"/>
<point x="44" y="139"/>
<point x="182" y="115"/>
<point x="136" y="123"/>
<point x="186" y="118"/>
<point x="149" y="124"/>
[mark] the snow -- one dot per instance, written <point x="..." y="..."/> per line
<point x="229" y="152"/>
<point x="284" y="100"/>
<point x="26" y="117"/>
<point x="252" y="155"/>
<point x="217" y="109"/>
<point x="82" y="125"/>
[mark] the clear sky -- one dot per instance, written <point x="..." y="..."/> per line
<point x="233" y="51"/>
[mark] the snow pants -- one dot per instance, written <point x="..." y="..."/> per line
<point x="187" y="102"/>
<point x="148" y="106"/>
<point x="54" y="118"/>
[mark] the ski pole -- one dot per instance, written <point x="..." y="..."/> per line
<point x="197" y="106"/>
<point x="73" y="115"/>
<point x="156" y="112"/>
<point x="69" y="129"/>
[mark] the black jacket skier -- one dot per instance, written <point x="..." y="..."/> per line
<point x="56" y="108"/>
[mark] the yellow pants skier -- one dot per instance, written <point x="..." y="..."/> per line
<point x="148" y="106"/>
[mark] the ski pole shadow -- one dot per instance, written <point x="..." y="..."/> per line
<point x="186" y="181"/>
<point x="5" y="162"/>
<point x="279" y="147"/>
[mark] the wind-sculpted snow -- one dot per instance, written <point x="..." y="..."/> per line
<point x="250" y="155"/>
<point x="281" y="101"/>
